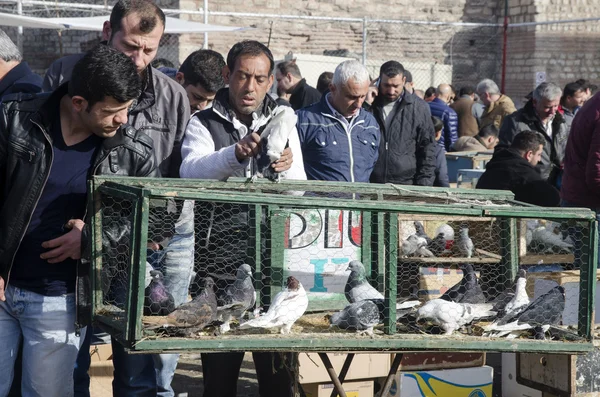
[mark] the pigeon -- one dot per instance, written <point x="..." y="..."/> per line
<point x="360" y="316"/>
<point x="520" y="299"/>
<point x="467" y="290"/>
<point x="438" y="244"/>
<point x="287" y="307"/>
<point x="236" y="298"/>
<point x="450" y="316"/>
<point x="274" y="140"/>
<point x="357" y="287"/>
<point x="547" y="241"/>
<point x="539" y="315"/>
<point x="158" y="301"/>
<point x="502" y="299"/>
<point x="423" y="252"/>
<point x="421" y="232"/>
<point x="464" y="243"/>
<point x="200" y="311"/>
<point x="412" y="244"/>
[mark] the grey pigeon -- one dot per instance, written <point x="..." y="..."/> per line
<point x="421" y="232"/>
<point x="360" y="316"/>
<point x="357" y="287"/>
<point x="467" y="290"/>
<point x="545" y="240"/>
<point x="238" y="297"/>
<point x="450" y="316"/>
<point x="539" y="315"/>
<point x="464" y="243"/>
<point x="423" y="252"/>
<point x="274" y="140"/>
<point x="157" y="301"/>
<point x="200" y="311"/>
<point x="412" y="244"/>
<point x="438" y="244"/>
<point x="287" y="307"/>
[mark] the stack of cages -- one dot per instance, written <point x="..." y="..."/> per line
<point x="319" y="266"/>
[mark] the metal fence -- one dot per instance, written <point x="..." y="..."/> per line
<point x="338" y="266"/>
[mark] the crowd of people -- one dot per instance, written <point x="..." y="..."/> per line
<point x="115" y="111"/>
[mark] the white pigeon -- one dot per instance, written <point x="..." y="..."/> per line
<point x="412" y="244"/>
<point x="549" y="241"/>
<point x="464" y="243"/>
<point x="287" y="307"/>
<point x="357" y="287"/>
<point x="274" y="139"/>
<point x="520" y="300"/>
<point x="450" y="316"/>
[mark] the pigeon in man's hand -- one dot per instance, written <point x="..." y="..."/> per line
<point x="467" y="290"/>
<point x="287" y="307"/>
<point x="274" y="140"/>
<point x="450" y="316"/>
<point x="157" y="301"/>
<point x="464" y="243"/>
<point x="238" y="297"/>
<point x="360" y="316"/>
<point x="200" y="311"/>
<point x="357" y="287"/>
<point x="539" y="315"/>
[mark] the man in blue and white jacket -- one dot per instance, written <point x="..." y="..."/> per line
<point x="340" y="139"/>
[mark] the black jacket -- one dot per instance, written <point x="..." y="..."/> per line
<point x="508" y="170"/>
<point x="304" y="95"/>
<point x="526" y="119"/>
<point x="26" y="159"/>
<point x="407" y="150"/>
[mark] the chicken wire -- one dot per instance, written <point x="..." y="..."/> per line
<point x="324" y="266"/>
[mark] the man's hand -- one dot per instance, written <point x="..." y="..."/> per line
<point x="2" y="297"/>
<point x="66" y="246"/>
<point x="285" y="161"/>
<point x="247" y="147"/>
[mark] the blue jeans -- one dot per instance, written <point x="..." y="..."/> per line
<point x="46" y="325"/>
<point x="151" y="374"/>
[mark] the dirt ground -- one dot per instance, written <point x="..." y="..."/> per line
<point x="188" y="377"/>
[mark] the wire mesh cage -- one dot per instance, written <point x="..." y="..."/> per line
<point x="315" y="266"/>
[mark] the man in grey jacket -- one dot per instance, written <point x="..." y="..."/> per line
<point x="162" y="112"/>
<point x="407" y="148"/>
<point x="540" y="114"/>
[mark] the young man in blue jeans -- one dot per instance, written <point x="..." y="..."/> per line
<point x="49" y="145"/>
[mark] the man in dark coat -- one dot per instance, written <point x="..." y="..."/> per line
<point x="407" y="148"/>
<point x="15" y="75"/>
<point x="290" y="80"/>
<point x="514" y="169"/>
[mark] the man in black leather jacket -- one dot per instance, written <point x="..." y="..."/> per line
<point x="49" y="146"/>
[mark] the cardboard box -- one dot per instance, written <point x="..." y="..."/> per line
<point x="352" y="389"/>
<point x="435" y="281"/>
<point x="428" y="361"/>
<point x="364" y="366"/>
<point x="464" y="382"/>
<point x="538" y="283"/>
<point x="510" y="387"/>
<point x="101" y="371"/>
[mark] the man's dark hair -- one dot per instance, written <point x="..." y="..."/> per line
<point x="429" y="92"/>
<point x="391" y="69"/>
<point x="105" y="72"/>
<point x="150" y="15"/>
<point x="583" y="83"/>
<point x="162" y="63"/>
<point x="438" y="124"/>
<point x="526" y="141"/>
<point x="408" y="75"/>
<point x="488" y="130"/>
<point x="466" y="90"/>
<point x="571" y="89"/>
<point x="324" y="80"/>
<point x="290" y="67"/>
<point x="248" y="47"/>
<point x="204" y="67"/>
